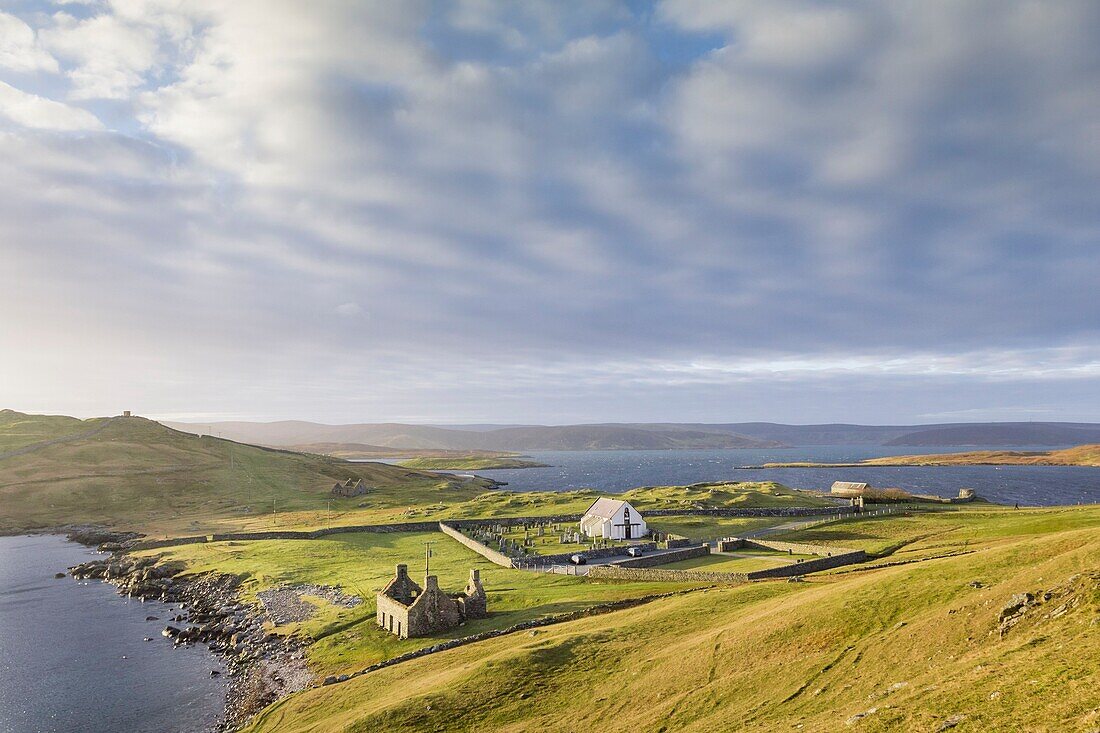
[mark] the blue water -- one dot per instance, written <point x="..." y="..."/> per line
<point x="72" y="657"/>
<point x="616" y="471"/>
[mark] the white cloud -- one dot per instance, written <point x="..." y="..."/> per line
<point x="542" y="183"/>
<point x="20" y="49"/>
<point x="110" y="54"/>
<point x="30" y="110"/>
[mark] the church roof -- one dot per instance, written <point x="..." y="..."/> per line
<point x="605" y="508"/>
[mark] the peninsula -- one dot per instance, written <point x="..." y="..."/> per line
<point x="1082" y="455"/>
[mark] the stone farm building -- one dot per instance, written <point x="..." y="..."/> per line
<point x="849" y="488"/>
<point x="349" y="488"/>
<point x="613" y="519"/>
<point x="407" y="610"/>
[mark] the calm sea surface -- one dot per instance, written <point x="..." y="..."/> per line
<point x="615" y="471"/>
<point x="72" y="657"/>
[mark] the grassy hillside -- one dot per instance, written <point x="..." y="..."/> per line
<point x="137" y="474"/>
<point x="915" y="647"/>
<point x="469" y="463"/>
<point x="18" y="430"/>
<point x="1082" y="455"/>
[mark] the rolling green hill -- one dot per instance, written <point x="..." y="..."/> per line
<point x="132" y="473"/>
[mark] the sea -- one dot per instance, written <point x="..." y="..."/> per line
<point x="618" y="471"/>
<point x="73" y="659"/>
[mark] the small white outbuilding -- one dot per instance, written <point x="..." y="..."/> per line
<point x="613" y="519"/>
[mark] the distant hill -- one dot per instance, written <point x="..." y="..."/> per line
<point x="653" y="436"/>
<point x="361" y="451"/>
<point x="1007" y="434"/>
<point x="138" y="474"/>
<point x="535" y="437"/>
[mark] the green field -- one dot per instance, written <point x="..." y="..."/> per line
<point x="908" y="648"/>
<point x="706" y="529"/>
<point x="362" y="563"/>
<point x="739" y="562"/>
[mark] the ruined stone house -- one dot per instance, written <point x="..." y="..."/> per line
<point x="349" y="488"/>
<point x="407" y="610"/>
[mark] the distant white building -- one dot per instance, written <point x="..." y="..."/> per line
<point x="613" y="519"/>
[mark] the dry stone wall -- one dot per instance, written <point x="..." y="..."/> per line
<point x="617" y="572"/>
<point x="458" y="523"/>
<point x="486" y="552"/>
<point x="664" y="558"/>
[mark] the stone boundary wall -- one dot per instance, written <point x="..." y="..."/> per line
<point x="810" y="566"/>
<point x="174" y="542"/>
<point x="616" y="572"/>
<point x="510" y="521"/>
<point x="802" y="548"/>
<point x="513" y="521"/>
<point x="754" y="512"/>
<point x="287" y="534"/>
<point x="664" y="558"/>
<point x="489" y="554"/>
<point x="599" y="554"/>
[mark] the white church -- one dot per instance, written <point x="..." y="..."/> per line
<point x="613" y="519"/>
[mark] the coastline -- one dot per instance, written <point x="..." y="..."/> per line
<point x="261" y="667"/>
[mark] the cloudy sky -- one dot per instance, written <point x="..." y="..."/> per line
<point x="551" y="212"/>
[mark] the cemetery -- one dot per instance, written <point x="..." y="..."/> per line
<point x="538" y="538"/>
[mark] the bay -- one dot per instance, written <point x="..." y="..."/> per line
<point x="72" y="656"/>
<point x="618" y="471"/>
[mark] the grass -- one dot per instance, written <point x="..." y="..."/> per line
<point x="908" y="646"/>
<point x="18" y="430"/>
<point x="362" y="563"/>
<point x="469" y="463"/>
<point x="137" y="474"/>
<point x="705" y="529"/>
<point x="1082" y="455"/>
<point x="739" y="562"/>
<point x="940" y="532"/>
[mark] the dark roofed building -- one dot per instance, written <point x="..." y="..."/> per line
<point x="350" y="488"/>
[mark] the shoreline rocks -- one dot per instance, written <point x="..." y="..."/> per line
<point x="261" y="666"/>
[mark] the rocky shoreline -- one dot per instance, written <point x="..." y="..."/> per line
<point x="262" y="667"/>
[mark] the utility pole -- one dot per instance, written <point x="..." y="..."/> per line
<point x="274" y="514"/>
<point x="427" y="556"/>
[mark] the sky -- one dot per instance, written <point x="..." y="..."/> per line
<point x="551" y="212"/>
